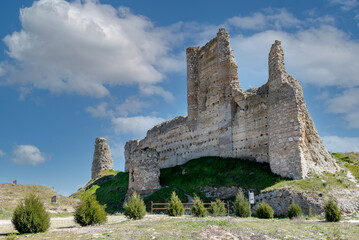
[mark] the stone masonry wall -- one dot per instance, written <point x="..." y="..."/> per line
<point x="102" y="158"/>
<point x="268" y="124"/>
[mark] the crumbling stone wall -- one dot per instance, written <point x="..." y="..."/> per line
<point x="144" y="170"/>
<point x="102" y="158"/>
<point x="267" y="124"/>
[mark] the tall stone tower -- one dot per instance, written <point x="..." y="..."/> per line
<point x="102" y="158"/>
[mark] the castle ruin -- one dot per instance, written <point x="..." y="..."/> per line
<point x="268" y="124"/>
<point x="102" y="158"/>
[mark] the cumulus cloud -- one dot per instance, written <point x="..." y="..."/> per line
<point x="28" y="155"/>
<point x="341" y="144"/>
<point x="323" y="56"/>
<point x="2" y="153"/>
<point x="269" y="19"/>
<point x="136" y="126"/>
<point x="346" y="103"/>
<point x="131" y="105"/>
<point x="345" y="5"/>
<point x="149" y="90"/>
<point x="84" y="46"/>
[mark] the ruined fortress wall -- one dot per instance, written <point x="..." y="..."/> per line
<point x="268" y="124"/>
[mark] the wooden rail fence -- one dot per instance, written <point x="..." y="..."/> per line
<point x="185" y="206"/>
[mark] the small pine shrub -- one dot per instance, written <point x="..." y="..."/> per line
<point x="294" y="210"/>
<point x="218" y="208"/>
<point x="135" y="208"/>
<point x="332" y="212"/>
<point x="198" y="209"/>
<point x="90" y="212"/>
<point x="11" y="236"/>
<point x="241" y="206"/>
<point x="31" y="217"/>
<point x="175" y="207"/>
<point x="264" y="210"/>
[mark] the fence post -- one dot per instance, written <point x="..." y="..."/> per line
<point x="228" y="208"/>
<point x="151" y="206"/>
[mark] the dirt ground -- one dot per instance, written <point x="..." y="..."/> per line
<point x="188" y="227"/>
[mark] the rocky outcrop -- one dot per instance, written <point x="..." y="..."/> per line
<point x="279" y="200"/>
<point x="102" y="158"/>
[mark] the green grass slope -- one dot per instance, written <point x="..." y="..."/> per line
<point x="350" y="161"/>
<point x="188" y="179"/>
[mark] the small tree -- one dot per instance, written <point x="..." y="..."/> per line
<point x="241" y="206"/>
<point x="31" y="217"/>
<point x="264" y="210"/>
<point x="294" y="210"/>
<point x="90" y="212"/>
<point x="332" y="212"/>
<point x="175" y="207"/>
<point x="135" y="208"/>
<point x="198" y="209"/>
<point x="218" y="208"/>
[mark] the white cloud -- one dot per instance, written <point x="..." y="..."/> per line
<point x="346" y="103"/>
<point x="270" y="19"/>
<point x="149" y="90"/>
<point x="100" y="111"/>
<point x="323" y="56"/>
<point x="136" y="126"/>
<point x="341" y="144"/>
<point x="130" y="105"/>
<point x="84" y="46"/>
<point x="2" y="153"/>
<point x="28" y="155"/>
<point x="345" y="5"/>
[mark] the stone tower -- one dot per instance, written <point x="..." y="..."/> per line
<point x="102" y="158"/>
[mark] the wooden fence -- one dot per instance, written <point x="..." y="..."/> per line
<point x="185" y="206"/>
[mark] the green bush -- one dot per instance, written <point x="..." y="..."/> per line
<point x="198" y="209"/>
<point x="241" y="206"/>
<point x="90" y="212"/>
<point x="135" y="208"/>
<point x="294" y="210"/>
<point x="31" y="217"/>
<point x="332" y="212"/>
<point x="218" y="208"/>
<point x="264" y="210"/>
<point x="11" y="236"/>
<point x="175" y="207"/>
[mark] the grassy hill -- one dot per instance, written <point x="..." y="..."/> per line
<point x="188" y="179"/>
<point x="11" y="195"/>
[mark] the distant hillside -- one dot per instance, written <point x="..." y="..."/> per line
<point x="11" y="195"/>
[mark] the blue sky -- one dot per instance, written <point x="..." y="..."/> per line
<point x="71" y="71"/>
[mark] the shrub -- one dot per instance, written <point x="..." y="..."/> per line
<point x="264" y="210"/>
<point x="198" y="209"/>
<point x="294" y="210"/>
<point x="135" y="208"/>
<point x="175" y="207"/>
<point x="11" y="236"/>
<point x="332" y="212"/>
<point x="241" y="206"/>
<point x="90" y="212"/>
<point x="31" y="217"/>
<point x="218" y="208"/>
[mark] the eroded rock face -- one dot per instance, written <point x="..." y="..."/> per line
<point x="268" y="124"/>
<point x="279" y="200"/>
<point x="102" y="158"/>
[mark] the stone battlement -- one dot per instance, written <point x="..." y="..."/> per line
<point x="267" y="124"/>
